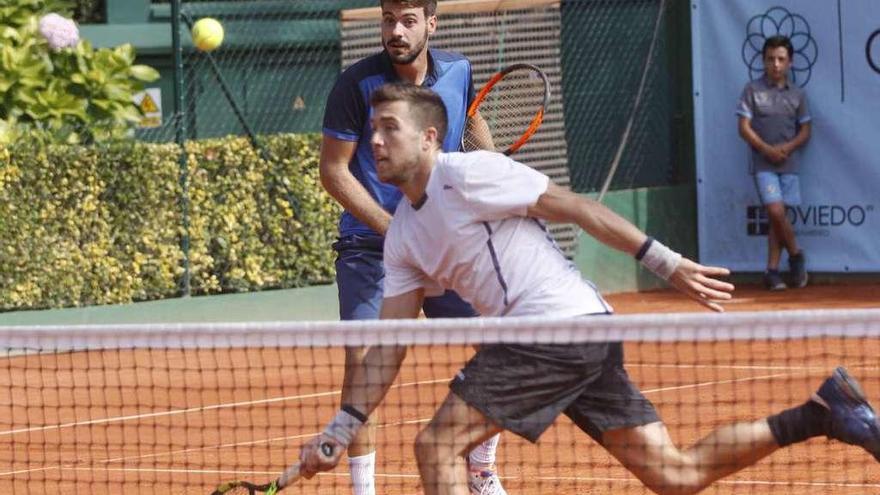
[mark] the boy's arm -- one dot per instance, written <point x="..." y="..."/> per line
<point x="800" y="139"/>
<point x="776" y="154"/>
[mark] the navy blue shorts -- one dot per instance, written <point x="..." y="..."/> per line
<point x="360" y="275"/>
<point x="523" y="388"/>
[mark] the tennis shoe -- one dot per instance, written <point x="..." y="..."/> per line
<point x="485" y="482"/>
<point x="798" y="270"/>
<point x="773" y="280"/>
<point x="853" y="420"/>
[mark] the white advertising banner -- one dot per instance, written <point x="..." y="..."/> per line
<point x="837" y="63"/>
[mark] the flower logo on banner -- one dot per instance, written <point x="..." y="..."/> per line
<point x="778" y="20"/>
<point x="872" y="51"/>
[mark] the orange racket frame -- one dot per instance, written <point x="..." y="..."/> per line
<point x="539" y="115"/>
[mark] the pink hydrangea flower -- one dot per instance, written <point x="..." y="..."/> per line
<point x="59" y="31"/>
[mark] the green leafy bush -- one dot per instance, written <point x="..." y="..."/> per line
<point x="244" y="233"/>
<point x="18" y="13"/>
<point x="86" y="225"/>
<point x="73" y="95"/>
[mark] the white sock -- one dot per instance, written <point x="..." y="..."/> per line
<point x="363" y="474"/>
<point x="483" y="455"/>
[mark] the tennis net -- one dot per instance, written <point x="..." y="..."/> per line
<point x="179" y="408"/>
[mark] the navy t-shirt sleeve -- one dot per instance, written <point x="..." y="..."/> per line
<point x="346" y="112"/>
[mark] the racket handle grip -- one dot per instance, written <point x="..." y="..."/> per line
<point x="292" y="474"/>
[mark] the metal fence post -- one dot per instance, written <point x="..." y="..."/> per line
<point x="180" y="138"/>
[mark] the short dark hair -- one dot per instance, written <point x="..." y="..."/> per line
<point x="429" y="6"/>
<point x="425" y="106"/>
<point x="776" y="42"/>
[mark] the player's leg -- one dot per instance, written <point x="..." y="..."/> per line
<point x="838" y="410"/>
<point x="523" y="388"/>
<point x="616" y="414"/>
<point x="482" y="471"/>
<point x="440" y="448"/>
<point x="359" y="277"/>
<point x="791" y="194"/>
<point x="650" y="454"/>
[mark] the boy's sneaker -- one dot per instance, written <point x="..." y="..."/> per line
<point x="485" y="482"/>
<point x="798" y="270"/>
<point x="773" y="280"/>
<point x="853" y="420"/>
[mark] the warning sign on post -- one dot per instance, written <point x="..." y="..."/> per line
<point x="150" y="103"/>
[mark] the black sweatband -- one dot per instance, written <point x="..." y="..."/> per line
<point x="354" y="412"/>
<point x="644" y="248"/>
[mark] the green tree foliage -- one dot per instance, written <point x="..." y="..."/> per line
<point x="73" y="95"/>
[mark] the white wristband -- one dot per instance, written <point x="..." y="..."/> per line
<point x="343" y="428"/>
<point x="661" y="260"/>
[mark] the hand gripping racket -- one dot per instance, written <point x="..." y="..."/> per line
<point x="290" y="476"/>
<point x="508" y="110"/>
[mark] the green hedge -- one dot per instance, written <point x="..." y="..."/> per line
<point x="103" y="224"/>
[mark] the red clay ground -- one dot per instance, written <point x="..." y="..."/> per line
<point x="96" y="423"/>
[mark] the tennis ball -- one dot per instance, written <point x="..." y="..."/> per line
<point x="207" y="34"/>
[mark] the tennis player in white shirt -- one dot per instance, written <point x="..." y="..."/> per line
<point x="472" y="222"/>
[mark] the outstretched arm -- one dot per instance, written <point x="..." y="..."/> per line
<point x="370" y="382"/>
<point x="699" y="282"/>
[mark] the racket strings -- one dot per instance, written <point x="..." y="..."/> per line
<point x="509" y="110"/>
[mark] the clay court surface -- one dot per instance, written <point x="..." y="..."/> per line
<point x="169" y="422"/>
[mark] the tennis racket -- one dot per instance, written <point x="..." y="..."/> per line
<point x="290" y="476"/>
<point x="508" y="110"/>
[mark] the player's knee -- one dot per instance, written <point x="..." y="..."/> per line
<point x="426" y="447"/>
<point x="677" y="473"/>
<point x="685" y="480"/>
<point x="675" y="489"/>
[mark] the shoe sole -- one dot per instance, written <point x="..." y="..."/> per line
<point x="803" y="283"/>
<point x="850" y="386"/>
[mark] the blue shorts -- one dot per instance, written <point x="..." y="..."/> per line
<point x="775" y="188"/>
<point x="360" y="275"/>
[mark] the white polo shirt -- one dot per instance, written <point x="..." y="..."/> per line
<point x="470" y="233"/>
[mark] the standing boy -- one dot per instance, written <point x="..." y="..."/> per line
<point x="775" y="121"/>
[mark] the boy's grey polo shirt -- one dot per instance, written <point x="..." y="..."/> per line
<point x="776" y="114"/>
